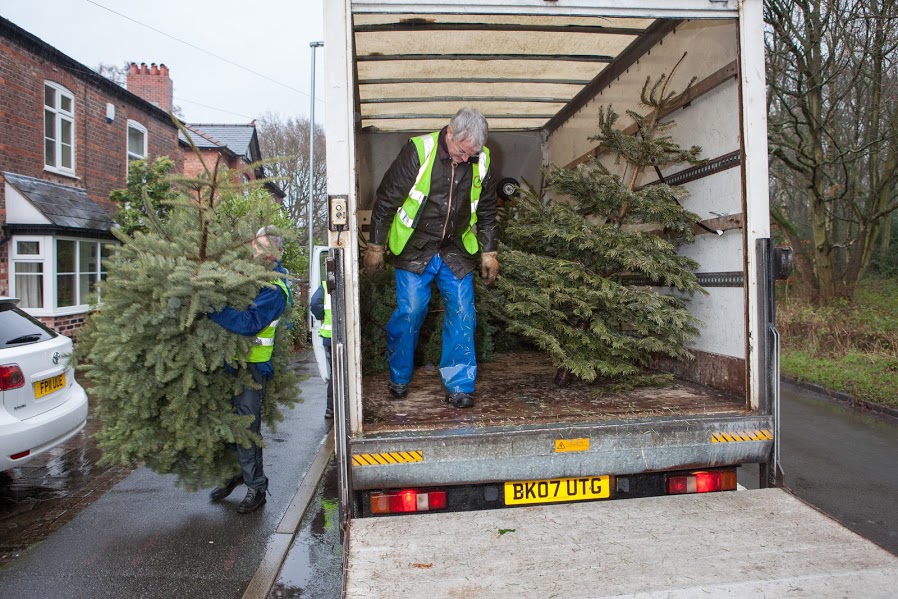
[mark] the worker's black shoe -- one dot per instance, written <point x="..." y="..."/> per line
<point x="253" y="501"/>
<point x="460" y="400"/>
<point x="397" y="390"/>
<point x="329" y="413"/>
<point x="219" y="493"/>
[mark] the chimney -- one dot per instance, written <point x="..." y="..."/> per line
<point x="152" y="84"/>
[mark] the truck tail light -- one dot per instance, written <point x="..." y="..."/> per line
<point x="407" y="500"/>
<point x="11" y="377"/>
<point x="702" y="482"/>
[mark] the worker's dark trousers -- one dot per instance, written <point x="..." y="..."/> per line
<point x="245" y="403"/>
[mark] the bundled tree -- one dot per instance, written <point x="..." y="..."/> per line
<point x="569" y="265"/>
<point x="155" y="362"/>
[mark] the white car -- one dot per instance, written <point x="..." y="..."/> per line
<point x="41" y="405"/>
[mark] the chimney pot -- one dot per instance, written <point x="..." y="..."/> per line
<point x="133" y="70"/>
<point x="154" y="70"/>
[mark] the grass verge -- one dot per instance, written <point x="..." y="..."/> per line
<point x="850" y="347"/>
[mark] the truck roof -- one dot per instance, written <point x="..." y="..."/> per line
<point x="523" y="71"/>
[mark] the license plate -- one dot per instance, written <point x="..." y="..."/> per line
<point x="48" y="386"/>
<point x="557" y="489"/>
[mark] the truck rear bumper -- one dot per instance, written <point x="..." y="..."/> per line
<point x="471" y="456"/>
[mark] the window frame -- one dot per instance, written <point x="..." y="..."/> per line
<point x="59" y="115"/>
<point x="48" y="257"/>
<point x="132" y="124"/>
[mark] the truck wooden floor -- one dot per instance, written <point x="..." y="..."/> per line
<point x="519" y="388"/>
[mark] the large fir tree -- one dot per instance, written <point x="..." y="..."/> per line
<point x="579" y="273"/>
<point x="155" y="363"/>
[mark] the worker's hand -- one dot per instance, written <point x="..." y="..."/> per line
<point x="374" y="258"/>
<point x="489" y="267"/>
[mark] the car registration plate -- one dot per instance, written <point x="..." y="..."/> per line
<point x="47" y="386"/>
<point x="557" y="489"/>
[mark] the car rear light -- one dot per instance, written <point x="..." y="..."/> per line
<point x="11" y="377"/>
<point x="407" y="500"/>
<point x="21" y="454"/>
<point x="702" y="482"/>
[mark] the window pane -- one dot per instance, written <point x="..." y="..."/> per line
<point x="65" y="126"/>
<point x="30" y="284"/>
<point x="88" y="285"/>
<point x="49" y="96"/>
<point x="66" y="158"/>
<point x="17" y="328"/>
<point x="65" y="290"/>
<point x="28" y="248"/>
<point x="49" y="124"/>
<point x="135" y="142"/>
<point x="87" y="257"/>
<point x="65" y="103"/>
<point x="65" y="256"/>
<point x="50" y="152"/>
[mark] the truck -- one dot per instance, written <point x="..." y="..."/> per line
<point x="522" y="493"/>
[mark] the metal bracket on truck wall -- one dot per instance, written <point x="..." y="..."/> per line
<point x="773" y="264"/>
<point x="334" y="269"/>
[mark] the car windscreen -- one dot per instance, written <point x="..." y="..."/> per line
<point x="18" y="328"/>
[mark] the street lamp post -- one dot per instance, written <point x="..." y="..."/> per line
<point x="314" y="46"/>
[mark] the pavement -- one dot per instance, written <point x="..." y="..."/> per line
<point x="146" y="537"/>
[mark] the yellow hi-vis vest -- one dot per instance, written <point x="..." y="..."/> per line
<point x="325" y="330"/>
<point x="406" y="218"/>
<point x="263" y="346"/>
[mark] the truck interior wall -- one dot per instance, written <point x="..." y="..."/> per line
<point x="710" y="121"/>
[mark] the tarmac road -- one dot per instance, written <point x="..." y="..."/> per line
<point x="145" y="537"/>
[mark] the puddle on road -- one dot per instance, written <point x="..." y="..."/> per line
<point x="312" y="568"/>
<point x="46" y="493"/>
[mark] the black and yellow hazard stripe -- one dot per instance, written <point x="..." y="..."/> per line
<point x="755" y="435"/>
<point x="391" y="457"/>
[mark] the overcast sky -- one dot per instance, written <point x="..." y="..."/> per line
<point x="268" y="37"/>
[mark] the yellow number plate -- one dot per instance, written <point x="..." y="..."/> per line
<point x="557" y="489"/>
<point x="48" y="386"/>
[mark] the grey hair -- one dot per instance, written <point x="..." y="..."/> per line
<point x="469" y="123"/>
<point x="273" y="238"/>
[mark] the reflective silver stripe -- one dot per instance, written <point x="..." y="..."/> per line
<point x="274" y="323"/>
<point x="266" y="341"/>
<point x="414" y="194"/>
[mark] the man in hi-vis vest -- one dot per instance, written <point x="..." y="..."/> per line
<point x="259" y="320"/>
<point x="436" y="211"/>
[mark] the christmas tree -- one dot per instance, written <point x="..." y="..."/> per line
<point x="581" y="263"/>
<point x="155" y="363"/>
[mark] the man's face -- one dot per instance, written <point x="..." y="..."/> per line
<point x="265" y="250"/>
<point x="460" y="151"/>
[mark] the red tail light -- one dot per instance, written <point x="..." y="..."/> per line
<point x="406" y="501"/>
<point x="11" y="377"/>
<point x="702" y="482"/>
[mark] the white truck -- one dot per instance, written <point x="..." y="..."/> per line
<point x="520" y="495"/>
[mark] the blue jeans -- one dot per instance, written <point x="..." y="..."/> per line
<point x="458" y="363"/>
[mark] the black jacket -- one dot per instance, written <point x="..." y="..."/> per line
<point x="440" y="227"/>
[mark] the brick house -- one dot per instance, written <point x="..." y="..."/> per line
<point x="67" y="137"/>
<point x="236" y="145"/>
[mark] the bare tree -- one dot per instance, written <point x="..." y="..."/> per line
<point x="833" y="123"/>
<point x="287" y="142"/>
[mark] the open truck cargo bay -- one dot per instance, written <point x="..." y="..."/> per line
<point x="540" y="71"/>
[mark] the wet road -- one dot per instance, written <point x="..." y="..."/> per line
<point x="841" y="460"/>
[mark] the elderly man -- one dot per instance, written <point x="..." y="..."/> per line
<point x="435" y="201"/>
<point x="259" y="320"/>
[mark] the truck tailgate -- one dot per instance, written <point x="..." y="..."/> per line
<point x="738" y="544"/>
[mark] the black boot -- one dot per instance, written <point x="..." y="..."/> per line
<point x="253" y="501"/>
<point x="219" y="493"/>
